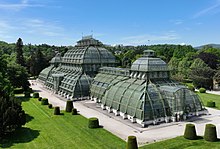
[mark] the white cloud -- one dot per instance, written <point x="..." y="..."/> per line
<point x="150" y="38"/>
<point x="209" y="10"/>
<point x="41" y="27"/>
<point x="18" y="6"/>
<point x="177" y="22"/>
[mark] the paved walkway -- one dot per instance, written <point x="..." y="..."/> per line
<point x="124" y="128"/>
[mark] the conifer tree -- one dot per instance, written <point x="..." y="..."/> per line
<point x="19" y="51"/>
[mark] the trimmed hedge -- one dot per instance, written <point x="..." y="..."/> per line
<point x="69" y="106"/>
<point x="132" y="143"/>
<point x="210" y="104"/>
<point x="44" y="101"/>
<point x="56" y="110"/>
<point x="40" y="98"/>
<point x="190" y="132"/>
<point x="93" y="122"/>
<point x="202" y="90"/>
<point x="74" y="111"/>
<point x="35" y="95"/>
<point x="210" y="133"/>
<point x="50" y="106"/>
<point x="27" y="94"/>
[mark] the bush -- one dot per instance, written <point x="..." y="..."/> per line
<point x="202" y="90"/>
<point x="132" y="143"/>
<point x="210" y="133"/>
<point x="35" y="95"/>
<point x="27" y="94"/>
<point x="69" y="106"/>
<point x="191" y="87"/>
<point x="50" y="106"/>
<point x="210" y="104"/>
<point x="74" y="111"/>
<point x="93" y="122"/>
<point x="44" y="101"/>
<point x="56" y="110"/>
<point x="40" y="98"/>
<point x="190" y="132"/>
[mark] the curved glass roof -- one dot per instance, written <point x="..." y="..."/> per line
<point x="149" y="63"/>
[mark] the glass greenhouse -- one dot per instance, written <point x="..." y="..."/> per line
<point x="144" y="93"/>
<point x="71" y="75"/>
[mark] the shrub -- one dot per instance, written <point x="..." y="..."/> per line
<point x="44" y="101"/>
<point x="210" y="133"/>
<point x="202" y="90"/>
<point x="93" y="122"/>
<point x="69" y="106"/>
<point x="27" y="94"/>
<point x="56" y="110"/>
<point x="210" y="104"/>
<point x="132" y="143"/>
<point x="74" y="111"/>
<point x="40" y="98"/>
<point x="35" y="95"/>
<point x="50" y="106"/>
<point x="191" y="87"/>
<point x="190" y="132"/>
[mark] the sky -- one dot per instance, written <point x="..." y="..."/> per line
<point x="127" y="22"/>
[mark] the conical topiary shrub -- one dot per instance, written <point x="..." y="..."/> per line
<point x="190" y="132"/>
<point x="44" y="101"/>
<point x="35" y="95"/>
<point x="210" y="133"/>
<point x="69" y="106"/>
<point x="132" y="143"/>
<point x="56" y="110"/>
<point x="93" y="122"/>
<point x="74" y="111"/>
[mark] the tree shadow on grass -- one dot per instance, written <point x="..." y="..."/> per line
<point x="29" y="118"/>
<point x="22" y="98"/>
<point x="21" y="135"/>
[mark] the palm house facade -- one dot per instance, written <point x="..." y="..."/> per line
<point x="70" y="76"/>
<point x="144" y="94"/>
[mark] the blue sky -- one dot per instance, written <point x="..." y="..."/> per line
<point x="128" y="22"/>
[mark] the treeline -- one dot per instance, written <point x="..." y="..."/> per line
<point x="186" y="63"/>
<point x="36" y="57"/>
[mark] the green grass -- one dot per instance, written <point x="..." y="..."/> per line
<point x="182" y="143"/>
<point x="45" y="130"/>
<point x="206" y="97"/>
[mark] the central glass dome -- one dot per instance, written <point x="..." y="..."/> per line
<point x="149" y="63"/>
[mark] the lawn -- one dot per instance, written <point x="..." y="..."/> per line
<point x="182" y="143"/>
<point x="206" y="97"/>
<point x="45" y="130"/>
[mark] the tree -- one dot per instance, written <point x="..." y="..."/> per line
<point x="19" y="51"/>
<point x="37" y="62"/>
<point x="201" y="74"/>
<point x="18" y="75"/>
<point x="210" y="59"/>
<point x="11" y="115"/>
